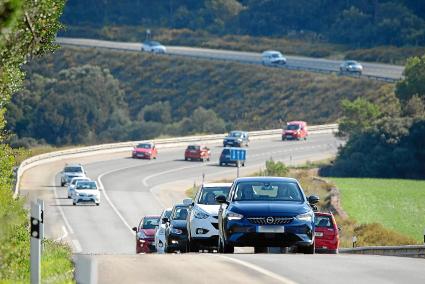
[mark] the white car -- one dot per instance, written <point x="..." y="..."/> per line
<point x="351" y="66"/>
<point x="71" y="185"/>
<point x="71" y="171"/>
<point x="86" y="192"/>
<point x="272" y="58"/>
<point x="154" y="47"/>
<point x="160" y="231"/>
<point x="203" y="218"/>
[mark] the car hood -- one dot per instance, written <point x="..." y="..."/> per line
<point x="142" y="150"/>
<point x="148" y="232"/>
<point x="210" y="209"/>
<point x="275" y="208"/>
<point x="179" y="223"/>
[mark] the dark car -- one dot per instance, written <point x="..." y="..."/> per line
<point x="236" y="139"/>
<point x="327" y="233"/>
<point x="263" y="212"/>
<point x="145" y="234"/>
<point x="226" y="160"/>
<point x="176" y="230"/>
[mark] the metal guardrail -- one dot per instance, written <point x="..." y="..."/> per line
<point x="244" y="61"/>
<point x="417" y="251"/>
<point x="161" y="143"/>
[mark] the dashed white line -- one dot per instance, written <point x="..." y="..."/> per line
<point x="58" y="205"/>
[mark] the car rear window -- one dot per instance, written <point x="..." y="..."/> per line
<point x="73" y="169"/>
<point x="144" y="146"/>
<point x="323" y="221"/>
<point x="193" y="147"/>
<point x="150" y="223"/>
<point x="225" y="152"/>
<point x="293" y="127"/>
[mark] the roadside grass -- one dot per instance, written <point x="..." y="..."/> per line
<point x="56" y="265"/>
<point x="395" y="203"/>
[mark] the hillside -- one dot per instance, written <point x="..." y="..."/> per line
<point x="147" y="87"/>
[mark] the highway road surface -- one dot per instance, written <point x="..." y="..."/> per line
<point x="133" y="188"/>
<point x="372" y="70"/>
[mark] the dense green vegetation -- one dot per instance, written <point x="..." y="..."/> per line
<point x="144" y="96"/>
<point x="385" y="140"/>
<point x="27" y="29"/>
<point x="354" y="22"/>
<point x="394" y="203"/>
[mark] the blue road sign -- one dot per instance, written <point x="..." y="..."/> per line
<point x="237" y="154"/>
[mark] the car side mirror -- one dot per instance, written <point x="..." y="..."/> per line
<point x="313" y="199"/>
<point x="135" y="229"/>
<point x="221" y="199"/>
<point x="165" y="220"/>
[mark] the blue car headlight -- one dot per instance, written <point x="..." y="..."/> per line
<point x="306" y="217"/>
<point x="176" y="231"/>
<point x="234" y="216"/>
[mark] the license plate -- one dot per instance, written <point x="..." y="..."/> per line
<point x="319" y="234"/>
<point x="289" y="136"/>
<point x="140" y="155"/>
<point x="270" y="229"/>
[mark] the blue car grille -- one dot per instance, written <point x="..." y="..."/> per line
<point x="270" y="220"/>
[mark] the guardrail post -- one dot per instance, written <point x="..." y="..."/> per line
<point x="35" y="243"/>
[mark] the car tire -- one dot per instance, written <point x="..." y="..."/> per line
<point x="69" y="196"/>
<point x="208" y="159"/>
<point x="307" y="249"/>
<point x="97" y="204"/>
<point x="185" y="158"/>
<point x="62" y="184"/>
<point x="260" y="249"/>
<point x="74" y="203"/>
<point x="193" y="247"/>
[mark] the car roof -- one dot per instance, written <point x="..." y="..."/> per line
<point x="297" y="122"/>
<point x="270" y="52"/>
<point x="323" y="214"/>
<point x="180" y="205"/>
<point x="73" y="165"/>
<point x="152" y="216"/>
<point x="217" y="184"/>
<point x="248" y="179"/>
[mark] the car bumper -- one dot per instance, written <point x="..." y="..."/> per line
<point x="86" y="199"/>
<point x="232" y="143"/>
<point x="176" y="241"/>
<point x="204" y="231"/>
<point x="243" y="233"/>
<point x="323" y="245"/>
<point x="141" y="156"/>
<point x="145" y="245"/>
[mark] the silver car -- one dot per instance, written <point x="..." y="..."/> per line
<point x="154" y="47"/>
<point x="351" y="66"/>
<point x="71" y="171"/>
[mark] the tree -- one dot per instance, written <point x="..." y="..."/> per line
<point x="414" y="78"/>
<point x="358" y="116"/>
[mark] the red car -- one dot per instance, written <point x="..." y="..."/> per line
<point x="145" y="151"/>
<point x="295" y="130"/>
<point x="197" y="152"/>
<point x="326" y="232"/>
<point x="145" y="234"/>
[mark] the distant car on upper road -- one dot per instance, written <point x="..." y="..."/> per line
<point x="351" y="66"/>
<point x="160" y="231"/>
<point x="197" y="152"/>
<point x="176" y="229"/>
<point x="326" y="232"/>
<point x="71" y="185"/>
<point x="145" y="151"/>
<point x="295" y="130"/>
<point x="71" y="171"/>
<point x="154" y="47"/>
<point x="236" y="138"/>
<point x="263" y="212"/>
<point x="203" y="217"/>
<point x="272" y="58"/>
<point x="225" y="159"/>
<point x="145" y="234"/>
<point x="86" y="192"/>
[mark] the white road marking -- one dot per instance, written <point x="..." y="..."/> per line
<point x="99" y="179"/>
<point x="65" y="234"/>
<point x="77" y="246"/>
<point x="259" y="269"/>
<point x="58" y="205"/>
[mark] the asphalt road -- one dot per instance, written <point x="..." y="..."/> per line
<point x="133" y="188"/>
<point x="372" y="70"/>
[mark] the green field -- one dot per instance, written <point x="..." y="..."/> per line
<point x="396" y="204"/>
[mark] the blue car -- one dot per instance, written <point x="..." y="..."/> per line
<point x="263" y="212"/>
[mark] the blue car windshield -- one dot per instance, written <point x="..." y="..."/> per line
<point x="268" y="191"/>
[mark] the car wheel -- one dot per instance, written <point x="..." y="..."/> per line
<point x="69" y="196"/>
<point x="221" y="164"/>
<point x="62" y="183"/>
<point x="208" y="159"/>
<point x="260" y="249"/>
<point x="228" y="248"/>
<point x="185" y="158"/>
<point x="97" y="204"/>
<point x="193" y="247"/>
<point x="307" y="250"/>
<point x="74" y="203"/>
